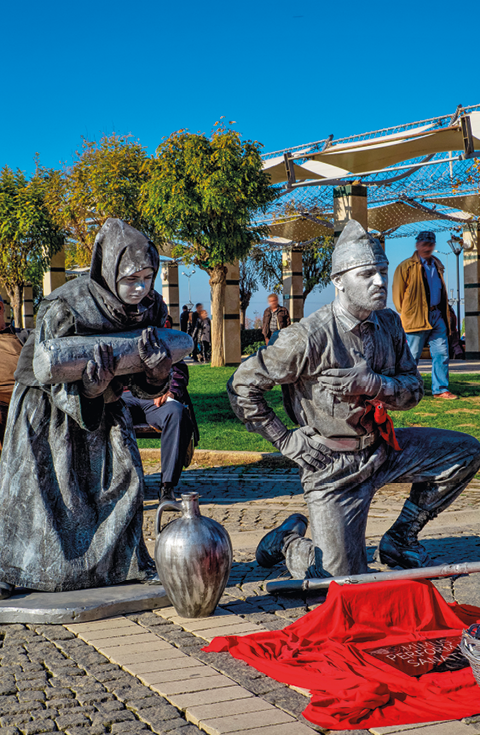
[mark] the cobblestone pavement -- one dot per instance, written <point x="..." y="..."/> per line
<point x="147" y="672"/>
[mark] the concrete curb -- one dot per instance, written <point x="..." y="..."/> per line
<point x="223" y="456"/>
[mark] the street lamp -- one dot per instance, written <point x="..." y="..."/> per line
<point x="189" y="275"/>
<point x="456" y="245"/>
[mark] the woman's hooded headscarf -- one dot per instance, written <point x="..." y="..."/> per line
<point x="119" y="251"/>
<point x="92" y="304"/>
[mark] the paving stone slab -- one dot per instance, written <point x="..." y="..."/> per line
<point x="209" y="696"/>
<point x="466" y="590"/>
<point x="445" y="727"/>
<point x="224" y="709"/>
<point x="60" y="608"/>
<point x="246" y="721"/>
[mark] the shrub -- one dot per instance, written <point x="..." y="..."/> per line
<point x="252" y="348"/>
<point x="250" y="337"/>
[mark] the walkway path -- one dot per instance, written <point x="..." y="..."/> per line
<point x="147" y="672"/>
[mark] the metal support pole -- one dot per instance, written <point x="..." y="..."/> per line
<point x="471" y="272"/>
<point x="27" y="307"/>
<point x="459" y="323"/>
<point x="457" y="247"/>
<point x="170" y="291"/>
<point x="349" y="202"/>
<point x="54" y="277"/>
<point x="292" y="274"/>
<point x="232" y="349"/>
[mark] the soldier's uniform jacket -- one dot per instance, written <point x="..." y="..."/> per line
<point x="328" y="338"/>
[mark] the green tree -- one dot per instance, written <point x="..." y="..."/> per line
<point x="104" y="181"/>
<point x="204" y="194"/>
<point x="316" y="262"/>
<point x="28" y="234"/>
<point x="248" y="285"/>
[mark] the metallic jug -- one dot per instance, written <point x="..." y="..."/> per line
<point x="193" y="555"/>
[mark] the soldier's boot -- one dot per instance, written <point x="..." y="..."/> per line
<point x="400" y="545"/>
<point x="6" y="590"/>
<point x="270" y="549"/>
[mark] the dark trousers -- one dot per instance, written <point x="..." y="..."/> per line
<point x="205" y="350"/>
<point x="194" y="352"/>
<point x="173" y="419"/>
<point x="3" y="420"/>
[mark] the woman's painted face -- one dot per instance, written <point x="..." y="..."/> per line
<point x="133" y="289"/>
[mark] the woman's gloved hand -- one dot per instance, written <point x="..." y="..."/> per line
<point x="155" y="356"/>
<point x="99" y="372"/>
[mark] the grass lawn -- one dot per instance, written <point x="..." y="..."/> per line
<point x="219" y="429"/>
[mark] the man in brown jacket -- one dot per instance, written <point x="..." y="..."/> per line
<point x="275" y="317"/>
<point x="420" y="297"/>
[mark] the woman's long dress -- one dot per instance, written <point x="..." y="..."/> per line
<point x="71" y="478"/>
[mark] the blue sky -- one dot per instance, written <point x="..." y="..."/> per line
<point x="287" y="72"/>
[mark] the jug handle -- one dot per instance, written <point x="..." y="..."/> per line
<point x="166" y="505"/>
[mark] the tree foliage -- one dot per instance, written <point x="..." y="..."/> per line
<point x="248" y="285"/>
<point x="104" y="181"/>
<point x="28" y="234"/>
<point x="316" y="261"/>
<point x="204" y="193"/>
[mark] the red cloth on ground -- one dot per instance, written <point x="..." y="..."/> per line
<point x="326" y="652"/>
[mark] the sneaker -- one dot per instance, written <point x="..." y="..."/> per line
<point x="447" y="395"/>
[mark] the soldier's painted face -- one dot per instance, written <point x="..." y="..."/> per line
<point x="365" y="288"/>
<point x="133" y="289"/>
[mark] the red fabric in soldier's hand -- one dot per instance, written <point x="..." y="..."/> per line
<point x="384" y="422"/>
<point x="340" y="652"/>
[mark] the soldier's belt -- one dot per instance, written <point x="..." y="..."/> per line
<point x="350" y="444"/>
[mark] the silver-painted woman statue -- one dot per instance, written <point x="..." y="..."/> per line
<point x="341" y="369"/>
<point x="71" y="478"/>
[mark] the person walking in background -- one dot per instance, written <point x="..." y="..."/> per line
<point x="205" y="336"/>
<point x="420" y="297"/>
<point x="275" y="317"/>
<point x="184" y="318"/>
<point x="194" y="329"/>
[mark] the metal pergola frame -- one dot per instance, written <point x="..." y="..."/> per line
<point x="413" y="182"/>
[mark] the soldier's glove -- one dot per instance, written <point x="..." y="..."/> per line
<point x="98" y="372"/>
<point x="155" y="356"/>
<point x="359" y="380"/>
<point x="301" y="445"/>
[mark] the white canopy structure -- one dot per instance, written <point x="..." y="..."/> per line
<point x="301" y="229"/>
<point x="379" y="153"/>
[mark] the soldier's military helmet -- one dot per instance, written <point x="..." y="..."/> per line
<point x="356" y="247"/>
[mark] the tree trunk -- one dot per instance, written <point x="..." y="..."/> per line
<point x="218" y="277"/>
<point x="16" y="301"/>
<point x="243" y="317"/>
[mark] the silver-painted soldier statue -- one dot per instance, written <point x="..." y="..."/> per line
<point x="340" y="370"/>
